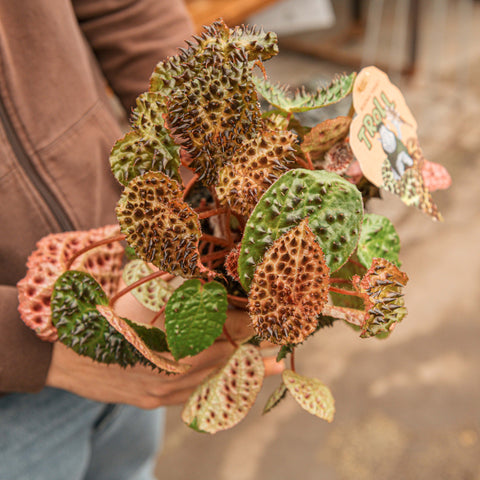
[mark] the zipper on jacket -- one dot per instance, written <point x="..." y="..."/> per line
<point x="37" y="181"/>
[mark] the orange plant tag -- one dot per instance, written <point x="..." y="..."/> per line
<point x="383" y="137"/>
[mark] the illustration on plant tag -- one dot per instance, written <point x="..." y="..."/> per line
<point x="383" y="137"/>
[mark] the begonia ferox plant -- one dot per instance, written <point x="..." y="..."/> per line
<point x="240" y="208"/>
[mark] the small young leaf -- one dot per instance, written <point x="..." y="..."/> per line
<point x="153" y="294"/>
<point x="289" y="288"/>
<point x="311" y="394"/>
<point x="382" y="290"/>
<point x="125" y="328"/>
<point x="194" y="317"/>
<point x="275" y="398"/>
<point x="324" y="136"/>
<point x="333" y="205"/>
<point x="225" y="399"/>
<point x="378" y="239"/>
<point x="284" y="351"/>
<point x="161" y="227"/>
<point x="302" y="101"/>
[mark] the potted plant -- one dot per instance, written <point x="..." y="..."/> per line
<point x="271" y="220"/>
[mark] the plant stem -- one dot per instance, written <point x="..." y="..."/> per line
<point x="134" y="285"/>
<point x="357" y="264"/>
<point x="214" y="255"/>
<point x="211" y="213"/>
<point x="157" y="315"/>
<point x="302" y="163"/>
<point x="189" y="185"/>
<point x="215" y="240"/>
<point x="309" y="161"/>
<point x="292" y="361"/>
<point x="339" y="280"/>
<point x="235" y="298"/>
<point x="344" y="292"/>
<point x="105" y="241"/>
<point x="229" y="338"/>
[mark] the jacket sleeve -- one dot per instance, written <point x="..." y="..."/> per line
<point x="30" y="370"/>
<point x="129" y="37"/>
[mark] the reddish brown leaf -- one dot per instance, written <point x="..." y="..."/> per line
<point x="289" y="288"/>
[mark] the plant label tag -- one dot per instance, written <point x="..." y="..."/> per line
<point x="383" y="137"/>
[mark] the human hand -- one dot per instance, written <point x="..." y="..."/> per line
<point x="139" y="385"/>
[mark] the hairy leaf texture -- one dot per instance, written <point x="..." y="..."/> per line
<point x="382" y="290"/>
<point x="289" y="288"/>
<point x="333" y="205"/>
<point x="153" y="294"/>
<point x="378" y="239"/>
<point x="148" y="146"/>
<point x="301" y="100"/>
<point x="159" y="225"/>
<point x="127" y="329"/>
<point x="49" y="261"/>
<point x="311" y="394"/>
<point x="339" y="158"/>
<point x="324" y="136"/>
<point x="212" y="106"/>
<point x="225" y="399"/>
<point x="231" y="262"/>
<point x="194" y="317"/>
<point x="254" y="168"/>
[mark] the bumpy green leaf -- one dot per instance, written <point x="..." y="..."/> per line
<point x="153" y="294"/>
<point x="311" y="394"/>
<point x="225" y="399"/>
<point x="378" y="239"/>
<point x="334" y="208"/>
<point x="82" y="327"/>
<point x="148" y="147"/>
<point x="302" y="101"/>
<point x="194" y="317"/>
<point x="275" y="398"/>
<point x="154" y="338"/>
<point x="347" y="272"/>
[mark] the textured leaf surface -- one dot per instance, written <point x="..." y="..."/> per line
<point x="311" y="394"/>
<point x="378" y="239"/>
<point x="324" y="136"/>
<point x="49" y="261"/>
<point x="126" y="330"/>
<point x="152" y="295"/>
<point x="148" y="146"/>
<point x="82" y="327"/>
<point x="275" y="398"/>
<point x="333" y="205"/>
<point x="225" y="399"/>
<point x="255" y="167"/>
<point x="347" y="272"/>
<point x="382" y="290"/>
<point x="302" y="101"/>
<point x="339" y="158"/>
<point x="289" y="288"/>
<point x="159" y="225"/>
<point x="212" y="106"/>
<point x="194" y="317"/>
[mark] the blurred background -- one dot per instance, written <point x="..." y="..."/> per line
<point x="407" y="407"/>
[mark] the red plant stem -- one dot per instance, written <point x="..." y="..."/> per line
<point x="189" y="185"/>
<point x="344" y="292"/>
<point x="134" y="285"/>
<point x="292" y="361"/>
<point x="211" y="213"/>
<point x="105" y="241"/>
<point x="211" y="247"/>
<point x="309" y="161"/>
<point x="157" y="315"/>
<point x="241" y="220"/>
<point x="357" y="264"/>
<point x="229" y="338"/>
<point x="215" y="240"/>
<point x="214" y="256"/>
<point x="235" y="298"/>
<point x="227" y="227"/>
<point x="302" y="163"/>
<point x="340" y="280"/>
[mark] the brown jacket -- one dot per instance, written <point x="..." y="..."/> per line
<point x="56" y="131"/>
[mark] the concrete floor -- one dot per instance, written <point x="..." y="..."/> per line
<point x="408" y="407"/>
